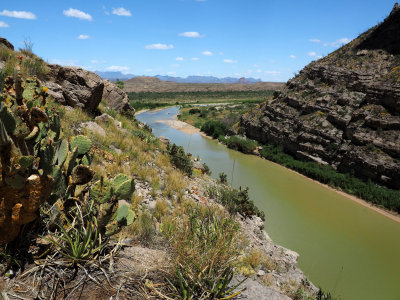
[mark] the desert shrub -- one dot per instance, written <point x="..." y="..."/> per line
<point x="206" y="247"/>
<point x="238" y="201"/>
<point x="206" y="169"/>
<point x="180" y="159"/>
<point x="223" y="178"/>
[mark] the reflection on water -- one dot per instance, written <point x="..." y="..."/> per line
<point x="345" y="248"/>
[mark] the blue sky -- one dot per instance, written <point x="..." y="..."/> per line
<point x="267" y="39"/>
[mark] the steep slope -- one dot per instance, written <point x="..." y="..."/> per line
<point x="344" y="109"/>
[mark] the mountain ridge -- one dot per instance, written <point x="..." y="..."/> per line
<point x="189" y="79"/>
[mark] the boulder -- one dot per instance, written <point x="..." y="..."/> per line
<point x="4" y="42"/>
<point x="105" y="118"/>
<point x="94" y="127"/>
<point x="74" y="86"/>
<point x="116" y="98"/>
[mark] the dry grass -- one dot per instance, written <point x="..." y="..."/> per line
<point x="174" y="183"/>
<point x="161" y="209"/>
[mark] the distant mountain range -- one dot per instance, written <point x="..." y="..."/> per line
<point x="190" y="79"/>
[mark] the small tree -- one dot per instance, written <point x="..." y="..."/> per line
<point x="119" y="84"/>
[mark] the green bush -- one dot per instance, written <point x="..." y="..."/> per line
<point x="241" y="144"/>
<point x="180" y="159"/>
<point x="193" y="111"/>
<point x="214" y="128"/>
<point x="237" y="201"/>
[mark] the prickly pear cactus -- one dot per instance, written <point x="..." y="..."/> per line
<point x="107" y="193"/>
<point x="35" y="161"/>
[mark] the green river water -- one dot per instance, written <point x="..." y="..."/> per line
<point x="345" y="248"/>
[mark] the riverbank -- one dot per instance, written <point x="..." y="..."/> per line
<point x="190" y="129"/>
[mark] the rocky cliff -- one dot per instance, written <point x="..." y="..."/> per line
<point x="342" y="110"/>
<point x="72" y="86"/>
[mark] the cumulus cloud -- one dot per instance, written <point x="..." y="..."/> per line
<point x="179" y="58"/>
<point x="338" y="43"/>
<point x="3" y="24"/>
<point x="230" y="61"/>
<point x="122" y="69"/>
<point x="292" y="56"/>
<point x="76" y="13"/>
<point x="159" y="47"/>
<point x="83" y="36"/>
<point x="207" y="53"/>
<point x="191" y="34"/>
<point x="312" y="53"/>
<point x="314" y="40"/>
<point x="120" y="11"/>
<point x="18" y="14"/>
<point x="195" y="58"/>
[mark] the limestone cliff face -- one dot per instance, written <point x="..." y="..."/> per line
<point x="343" y="109"/>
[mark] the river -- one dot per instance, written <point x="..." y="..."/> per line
<point x="345" y="248"/>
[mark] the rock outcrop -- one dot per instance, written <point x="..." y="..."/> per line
<point x="116" y="98"/>
<point x="74" y="86"/>
<point x="4" y="42"/>
<point x="342" y="110"/>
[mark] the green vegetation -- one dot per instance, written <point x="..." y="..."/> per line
<point x="180" y="159"/>
<point x="29" y="64"/>
<point x="235" y="201"/>
<point x="53" y="172"/>
<point x="368" y="191"/>
<point x="198" y="96"/>
<point x="119" y="84"/>
<point x="214" y="128"/>
<point x="239" y="143"/>
<point x="206" y="250"/>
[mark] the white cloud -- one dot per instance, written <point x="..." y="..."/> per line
<point x="3" y="24"/>
<point x="120" y="11"/>
<point x="230" y="61"/>
<point x="259" y="71"/>
<point x="312" y="53"/>
<point x="148" y="70"/>
<point x="175" y="65"/>
<point x="179" y="58"/>
<point x="195" y="58"/>
<point x="191" y="34"/>
<point x="207" y="53"/>
<point x="318" y="56"/>
<point x="94" y="61"/>
<point x="122" y="69"/>
<point x="314" y="40"/>
<point x="171" y="73"/>
<point x="159" y="47"/>
<point x="83" y="36"/>
<point x="292" y="56"/>
<point x="338" y="43"/>
<point x="76" y="13"/>
<point x="18" y="14"/>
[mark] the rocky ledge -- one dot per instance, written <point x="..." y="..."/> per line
<point x="342" y="110"/>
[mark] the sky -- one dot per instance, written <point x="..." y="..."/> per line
<point x="266" y="39"/>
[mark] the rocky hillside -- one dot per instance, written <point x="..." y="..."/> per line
<point x="153" y="84"/>
<point x="70" y="86"/>
<point x="342" y="110"/>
